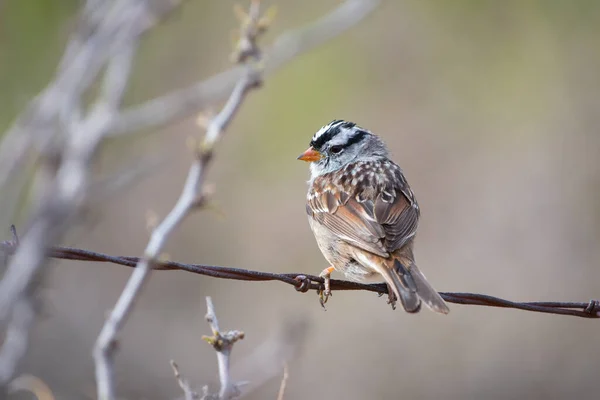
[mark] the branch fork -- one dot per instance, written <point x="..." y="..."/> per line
<point x="223" y="343"/>
<point x="67" y="134"/>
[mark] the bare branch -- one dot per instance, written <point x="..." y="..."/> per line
<point x="105" y="344"/>
<point x="57" y="125"/>
<point x="186" y="102"/>
<point x="192" y="196"/>
<point x="32" y="384"/>
<point x="183" y="383"/>
<point x="67" y="197"/>
<point x="105" y="29"/>
<point x="265" y="361"/>
<point x="223" y="343"/>
<point x="68" y="138"/>
<point x="16" y="338"/>
<point x="284" y="379"/>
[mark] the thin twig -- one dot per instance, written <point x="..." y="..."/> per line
<point x="305" y="282"/>
<point x="105" y="344"/>
<point x="16" y="337"/>
<point x="183" y="383"/>
<point x="223" y="343"/>
<point x="32" y="384"/>
<point x="186" y="102"/>
<point x="192" y="196"/>
<point x="64" y="173"/>
<point x="284" y="379"/>
<point x="57" y="125"/>
<point x="105" y="28"/>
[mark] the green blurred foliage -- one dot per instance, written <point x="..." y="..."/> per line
<point x="32" y="35"/>
<point x="509" y="51"/>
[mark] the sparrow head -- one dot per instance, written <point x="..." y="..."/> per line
<point x="340" y="143"/>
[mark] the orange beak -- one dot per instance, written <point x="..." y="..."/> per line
<point x="310" y="155"/>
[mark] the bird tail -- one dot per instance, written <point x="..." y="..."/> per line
<point x="410" y="286"/>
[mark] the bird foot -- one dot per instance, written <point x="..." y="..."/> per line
<point x="392" y="298"/>
<point x="325" y="292"/>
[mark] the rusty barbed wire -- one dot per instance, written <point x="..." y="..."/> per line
<point x="306" y="282"/>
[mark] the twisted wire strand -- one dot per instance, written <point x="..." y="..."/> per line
<point x="305" y="282"/>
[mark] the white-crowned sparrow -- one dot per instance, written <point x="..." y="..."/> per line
<point x="364" y="215"/>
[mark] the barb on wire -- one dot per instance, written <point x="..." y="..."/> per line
<point x="306" y="282"/>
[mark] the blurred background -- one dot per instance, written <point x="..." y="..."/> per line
<point x="492" y="109"/>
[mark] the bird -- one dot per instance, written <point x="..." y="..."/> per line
<point x="364" y="215"/>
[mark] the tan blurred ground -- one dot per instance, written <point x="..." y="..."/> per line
<point x="492" y="109"/>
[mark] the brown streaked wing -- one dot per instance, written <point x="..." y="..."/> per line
<point x="352" y="221"/>
<point x="399" y="218"/>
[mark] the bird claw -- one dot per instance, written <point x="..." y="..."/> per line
<point x="324" y="294"/>
<point x="325" y="290"/>
<point x="392" y="298"/>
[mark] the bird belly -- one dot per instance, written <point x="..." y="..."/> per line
<point x="355" y="271"/>
<point x="341" y="256"/>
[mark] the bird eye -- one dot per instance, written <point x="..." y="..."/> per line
<point x="336" y="149"/>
